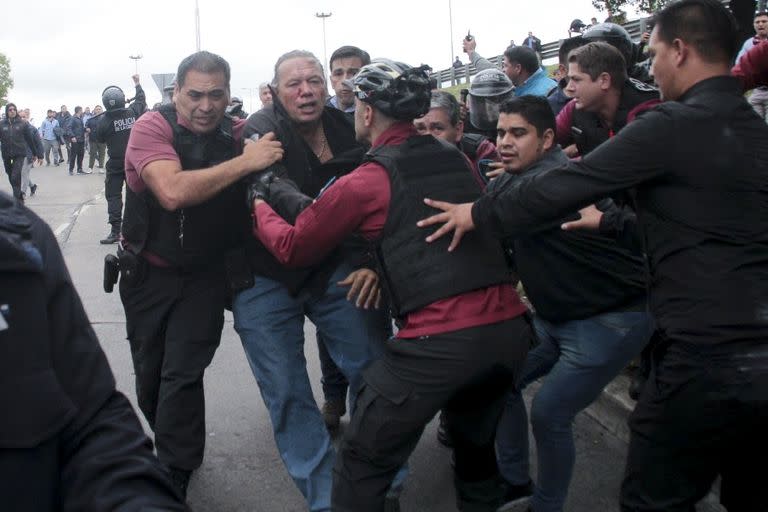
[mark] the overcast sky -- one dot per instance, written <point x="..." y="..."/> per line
<point x="67" y="52"/>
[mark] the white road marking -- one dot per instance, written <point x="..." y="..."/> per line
<point x="60" y="229"/>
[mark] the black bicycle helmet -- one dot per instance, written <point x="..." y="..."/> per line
<point x="396" y="89"/>
<point x="615" y="35"/>
<point x="113" y="98"/>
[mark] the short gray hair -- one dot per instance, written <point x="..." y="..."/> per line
<point x="296" y="54"/>
<point x="448" y="102"/>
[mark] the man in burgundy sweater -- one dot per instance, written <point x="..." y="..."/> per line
<point x="463" y="334"/>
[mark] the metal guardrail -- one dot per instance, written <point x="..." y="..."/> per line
<point x="454" y="76"/>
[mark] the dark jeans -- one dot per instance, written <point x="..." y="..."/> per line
<point x="13" y="166"/>
<point x="576" y="359"/>
<point x="76" y="152"/>
<point x="113" y="191"/>
<point x="174" y="324"/>
<point x="467" y="373"/>
<point x="700" y="415"/>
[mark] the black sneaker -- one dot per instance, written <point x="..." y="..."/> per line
<point x="332" y="411"/>
<point x="517" y="498"/>
<point x="180" y="480"/>
<point x="111" y="238"/>
<point x="32" y="189"/>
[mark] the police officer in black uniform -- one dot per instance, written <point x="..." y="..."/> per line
<point x="113" y="128"/>
<point x="68" y="439"/>
<point x="181" y="216"/>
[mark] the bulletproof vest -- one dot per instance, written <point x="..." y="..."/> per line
<point x="588" y="130"/>
<point x="470" y="143"/>
<point x="197" y="235"/>
<point x="416" y="273"/>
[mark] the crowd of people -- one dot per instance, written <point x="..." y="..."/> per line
<point x="626" y="199"/>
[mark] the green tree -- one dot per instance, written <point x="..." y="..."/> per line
<point x="6" y="82"/>
<point x="614" y="6"/>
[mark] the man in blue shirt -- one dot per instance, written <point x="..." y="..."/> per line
<point x="521" y="65"/>
<point x="50" y="131"/>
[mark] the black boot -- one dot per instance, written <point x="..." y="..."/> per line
<point x="180" y="480"/>
<point x="112" y="237"/>
<point x="481" y="496"/>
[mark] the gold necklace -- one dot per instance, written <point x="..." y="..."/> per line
<point x="323" y="148"/>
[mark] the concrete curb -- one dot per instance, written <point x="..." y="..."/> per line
<point x="612" y="409"/>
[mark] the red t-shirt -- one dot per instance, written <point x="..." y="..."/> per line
<point x="151" y="140"/>
<point x="359" y="202"/>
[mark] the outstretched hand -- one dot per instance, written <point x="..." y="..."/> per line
<point x="456" y="218"/>
<point x="590" y="220"/>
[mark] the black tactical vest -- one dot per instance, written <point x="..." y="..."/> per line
<point x="416" y="273"/>
<point x="589" y="131"/>
<point x="195" y="236"/>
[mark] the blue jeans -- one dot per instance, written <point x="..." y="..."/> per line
<point x="270" y="322"/>
<point x="579" y="358"/>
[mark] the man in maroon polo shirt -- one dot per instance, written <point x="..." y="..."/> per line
<point x="462" y="334"/>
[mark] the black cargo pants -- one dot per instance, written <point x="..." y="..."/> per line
<point x="174" y="322"/>
<point x="467" y="373"/>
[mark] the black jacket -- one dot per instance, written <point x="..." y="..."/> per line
<point x="18" y="137"/>
<point x="113" y="127"/>
<point x="63" y="120"/>
<point x="699" y="167"/>
<point x="301" y="166"/>
<point x="75" y="128"/>
<point x="68" y="439"/>
<point x="594" y="273"/>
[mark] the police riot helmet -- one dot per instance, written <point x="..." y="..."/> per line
<point x="398" y="90"/>
<point x="615" y="35"/>
<point x="236" y="101"/>
<point x="488" y="91"/>
<point x="113" y="98"/>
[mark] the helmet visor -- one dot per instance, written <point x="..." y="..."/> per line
<point x="484" y="110"/>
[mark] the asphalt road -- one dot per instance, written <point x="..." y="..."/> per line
<point x="242" y="470"/>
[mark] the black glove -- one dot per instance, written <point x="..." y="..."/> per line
<point x="258" y="187"/>
<point x="286" y="199"/>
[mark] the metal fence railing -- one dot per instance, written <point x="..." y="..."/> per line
<point x="453" y="76"/>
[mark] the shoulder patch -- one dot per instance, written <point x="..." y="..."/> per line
<point x="641" y="86"/>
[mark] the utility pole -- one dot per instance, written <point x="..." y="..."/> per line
<point x="136" y="59"/>
<point x="450" y="27"/>
<point x="322" y="16"/>
<point x="197" y="26"/>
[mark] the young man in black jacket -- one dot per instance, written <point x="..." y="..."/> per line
<point x="590" y="319"/>
<point x="698" y="164"/>
<point x="75" y="133"/>
<point x="17" y="137"/>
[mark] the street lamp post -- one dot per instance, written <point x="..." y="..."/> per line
<point x="136" y="59"/>
<point x="322" y="16"/>
<point x="250" y="98"/>
<point x="450" y="27"/>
